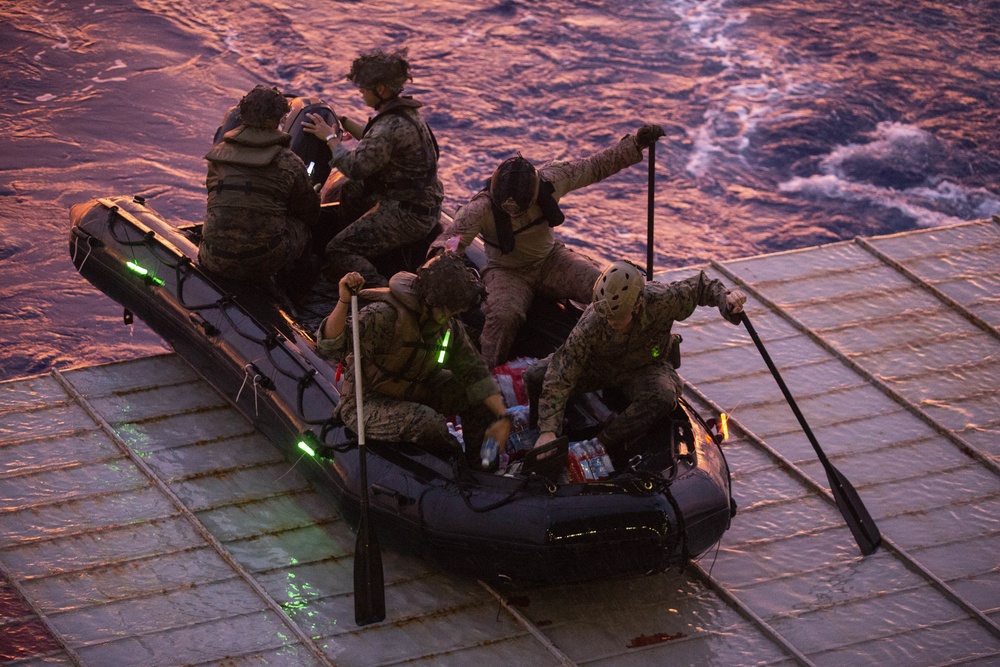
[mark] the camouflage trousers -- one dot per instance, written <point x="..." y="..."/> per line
<point x="382" y="229"/>
<point x="423" y="424"/>
<point x="564" y="275"/>
<point x="651" y="392"/>
<point x="232" y="256"/>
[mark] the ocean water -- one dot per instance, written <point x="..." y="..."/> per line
<point x="788" y="123"/>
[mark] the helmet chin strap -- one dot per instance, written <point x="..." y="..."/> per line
<point x="383" y="100"/>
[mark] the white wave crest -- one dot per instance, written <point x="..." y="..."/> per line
<point x="942" y="204"/>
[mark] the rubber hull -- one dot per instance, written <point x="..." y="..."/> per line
<point x="671" y="508"/>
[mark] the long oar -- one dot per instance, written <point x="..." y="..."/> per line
<point x="858" y="520"/>
<point x="369" y="584"/>
<point x="651" y="188"/>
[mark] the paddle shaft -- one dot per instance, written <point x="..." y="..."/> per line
<point x="369" y="585"/>
<point x="784" y="390"/>
<point x="650" y="198"/>
<point x="851" y="507"/>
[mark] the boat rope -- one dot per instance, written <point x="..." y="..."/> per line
<point x="256" y="381"/>
<point x="681" y="522"/>
<point x="76" y="247"/>
<point x="467" y="496"/>
<point x="122" y="225"/>
<point x="463" y="490"/>
<point x="148" y="240"/>
<point x="128" y="243"/>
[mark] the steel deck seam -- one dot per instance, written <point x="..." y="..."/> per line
<point x="59" y="501"/>
<point x="37" y="611"/>
<point x="750" y="615"/>
<point x="903" y="633"/>
<point x="198" y="526"/>
<point x="957" y="440"/>
<point x="181" y="626"/>
<point x="14" y="442"/>
<point x="94" y="530"/>
<point x="901" y="553"/>
<point x="923" y="284"/>
<point x="523" y="621"/>
<point x="146" y="595"/>
<point x="70" y="465"/>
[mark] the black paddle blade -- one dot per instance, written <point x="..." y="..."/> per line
<point x="855" y="513"/>
<point x="848" y="501"/>
<point x="369" y="584"/>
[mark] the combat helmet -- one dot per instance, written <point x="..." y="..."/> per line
<point x="390" y="69"/>
<point x="446" y="281"/>
<point x="617" y="289"/>
<point x="263" y="107"/>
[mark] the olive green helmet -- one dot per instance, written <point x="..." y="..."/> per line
<point x="617" y="289"/>
<point x="446" y="281"/>
<point x="390" y="69"/>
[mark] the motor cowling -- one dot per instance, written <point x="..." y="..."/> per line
<point x="313" y="150"/>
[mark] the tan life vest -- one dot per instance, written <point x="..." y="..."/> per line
<point x="414" y="364"/>
<point x="243" y="176"/>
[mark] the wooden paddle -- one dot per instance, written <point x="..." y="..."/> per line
<point x="369" y="584"/>
<point x="651" y="187"/>
<point x="858" y="519"/>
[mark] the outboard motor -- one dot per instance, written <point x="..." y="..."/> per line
<point x="229" y="122"/>
<point x="313" y="150"/>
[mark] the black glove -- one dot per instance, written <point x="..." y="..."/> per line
<point x="647" y="135"/>
<point x="732" y="307"/>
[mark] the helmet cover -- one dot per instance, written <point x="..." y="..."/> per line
<point x="263" y="107"/>
<point x="390" y="69"/>
<point x="617" y="289"/>
<point x="445" y="281"/>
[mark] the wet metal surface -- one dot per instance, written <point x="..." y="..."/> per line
<point x="142" y="522"/>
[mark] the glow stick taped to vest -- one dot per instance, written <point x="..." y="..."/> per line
<point x="444" y="346"/>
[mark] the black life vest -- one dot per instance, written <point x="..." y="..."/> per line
<point x="551" y="213"/>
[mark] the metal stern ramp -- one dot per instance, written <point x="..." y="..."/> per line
<point x="144" y="522"/>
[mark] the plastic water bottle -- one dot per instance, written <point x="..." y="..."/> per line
<point x="588" y="461"/>
<point x="595" y="456"/>
<point x="578" y="463"/>
<point x="522" y="438"/>
<point x="488" y="452"/>
<point x="601" y="454"/>
<point x="609" y="467"/>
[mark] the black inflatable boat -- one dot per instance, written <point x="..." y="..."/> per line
<point x="669" y="506"/>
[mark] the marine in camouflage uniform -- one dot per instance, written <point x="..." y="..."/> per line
<point x="633" y="359"/>
<point x="261" y="204"/>
<point x="530" y="260"/>
<point x="392" y="170"/>
<point x="418" y="363"/>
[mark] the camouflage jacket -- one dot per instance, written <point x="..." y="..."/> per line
<point x="238" y="219"/>
<point x="378" y="332"/>
<point x="600" y="356"/>
<point x="533" y="245"/>
<point x="396" y="157"/>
